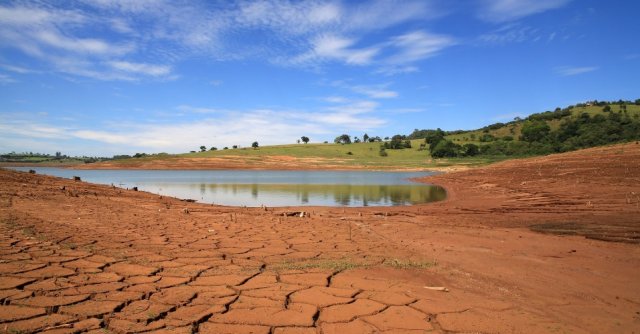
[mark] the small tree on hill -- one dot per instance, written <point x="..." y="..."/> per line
<point x="534" y="131"/>
<point x="305" y="139"/>
<point x="203" y="148"/>
<point x="343" y="139"/>
<point x="254" y="145"/>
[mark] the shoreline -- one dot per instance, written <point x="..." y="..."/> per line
<point x="343" y="270"/>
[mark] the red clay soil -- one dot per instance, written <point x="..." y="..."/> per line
<point x="78" y="257"/>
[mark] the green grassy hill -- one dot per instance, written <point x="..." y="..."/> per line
<point x="514" y="129"/>
<point x="365" y="155"/>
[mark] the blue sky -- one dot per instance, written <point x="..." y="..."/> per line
<point x="104" y="77"/>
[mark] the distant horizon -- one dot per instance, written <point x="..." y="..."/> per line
<point x="112" y="77"/>
<point x="297" y="141"/>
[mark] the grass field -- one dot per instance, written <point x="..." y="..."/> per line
<point x="366" y="155"/>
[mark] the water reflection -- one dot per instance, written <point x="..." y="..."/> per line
<point x="307" y="194"/>
<point x="270" y="188"/>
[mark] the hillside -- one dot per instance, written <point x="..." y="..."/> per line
<point x="544" y="133"/>
<point x="514" y="128"/>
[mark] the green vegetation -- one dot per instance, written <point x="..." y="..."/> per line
<point x="58" y="158"/>
<point x="575" y="127"/>
<point x="343" y="264"/>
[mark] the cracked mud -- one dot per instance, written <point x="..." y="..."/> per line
<point x="91" y="258"/>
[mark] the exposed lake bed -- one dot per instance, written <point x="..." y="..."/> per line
<point x="132" y="261"/>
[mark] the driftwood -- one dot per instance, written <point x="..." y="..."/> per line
<point x="300" y="214"/>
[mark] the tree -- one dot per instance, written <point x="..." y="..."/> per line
<point x="534" y="131"/>
<point x="305" y="139"/>
<point x="434" y="137"/>
<point x="445" y="148"/>
<point x="365" y="138"/>
<point x="606" y="108"/>
<point x="470" y="150"/>
<point x="254" y="145"/>
<point x="213" y="148"/>
<point x="234" y="147"/>
<point x="383" y="152"/>
<point x="203" y="148"/>
<point x="398" y="142"/>
<point x="343" y="139"/>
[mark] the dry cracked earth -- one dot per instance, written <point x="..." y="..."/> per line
<point x="77" y="257"/>
<point x="102" y="262"/>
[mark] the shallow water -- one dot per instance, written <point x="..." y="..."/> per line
<point x="270" y="188"/>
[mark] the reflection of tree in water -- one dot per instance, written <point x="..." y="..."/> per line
<point x="344" y="195"/>
<point x="304" y="198"/>
<point x="203" y="188"/>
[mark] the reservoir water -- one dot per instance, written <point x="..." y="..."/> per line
<point x="270" y="188"/>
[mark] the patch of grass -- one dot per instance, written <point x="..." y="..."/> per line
<point x="335" y="265"/>
<point x="68" y="245"/>
<point x="28" y="231"/>
<point x="409" y="264"/>
<point x="347" y="264"/>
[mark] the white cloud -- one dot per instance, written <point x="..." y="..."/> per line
<point x="199" y="110"/>
<point x="308" y="33"/>
<point x="418" y="45"/>
<point x="331" y="47"/>
<point x="141" y="68"/>
<point x="392" y="70"/>
<point x="287" y="17"/>
<point x="6" y="79"/>
<point x="509" y="33"/>
<point x="375" y="92"/>
<point x="17" y="69"/>
<point x="571" y="71"/>
<point x="509" y="10"/>
<point x="371" y="91"/>
<point x="381" y="14"/>
<point x="335" y="99"/>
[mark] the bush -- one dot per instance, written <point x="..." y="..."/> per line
<point x="469" y="150"/>
<point x="445" y="148"/>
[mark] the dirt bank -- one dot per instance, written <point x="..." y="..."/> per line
<point x="82" y="257"/>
